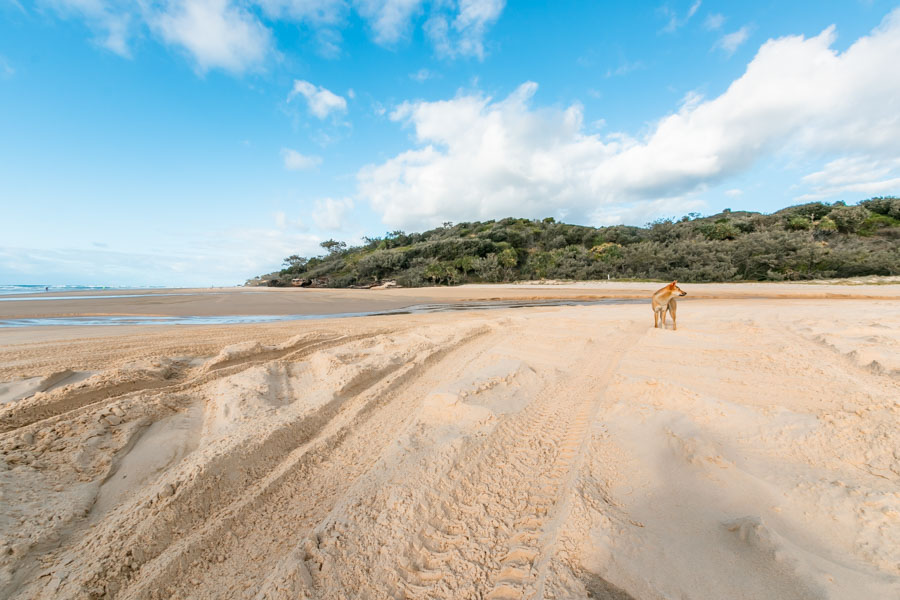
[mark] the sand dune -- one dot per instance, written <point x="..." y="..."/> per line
<point x="534" y="453"/>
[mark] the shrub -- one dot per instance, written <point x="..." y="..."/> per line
<point x="795" y="243"/>
<point x="876" y="222"/>
<point x="723" y="229"/>
<point x="848" y="219"/>
<point x="798" y="223"/>
<point x="888" y="206"/>
<point x="812" y="211"/>
<point x="826" y="225"/>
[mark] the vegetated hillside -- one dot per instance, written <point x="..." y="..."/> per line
<point x="808" y="241"/>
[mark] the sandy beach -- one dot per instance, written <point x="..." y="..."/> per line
<point x="536" y="452"/>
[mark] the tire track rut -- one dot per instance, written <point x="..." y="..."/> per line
<point x="481" y="541"/>
<point x="285" y="479"/>
<point x="67" y="404"/>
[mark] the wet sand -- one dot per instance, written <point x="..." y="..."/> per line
<point x="290" y="301"/>
<point x="551" y="452"/>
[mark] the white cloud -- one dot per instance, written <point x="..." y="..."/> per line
<point x="481" y="158"/>
<point x="854" y="176"/>
<point x="455" y="27"/>
<point x="732" y="41"/>
<point x="323" y="16"/>
<point x="321" y="101"/>
<point x="464" y="36"/>
<point x="283" y="222"/>
<point x="329" y="214"/>
<point x="316" y="12"/>
<point x="639" y="213"/>
<point x="675" y="22"/>
<point x="422" y="75"/>
<point x="294" y="161"/>
<point x="216" y="33"/>
<point x="691" y="100"/>
<point x="390" y="20"/>
<point x="110" y="20"/>
<point x="693" y="8"/>
<point x="215" y="258"/>
<point x="625" y="68"/>
<point x="235" y="35"/>
<point x="714" y="21"/>
<point x="734" y="193"/>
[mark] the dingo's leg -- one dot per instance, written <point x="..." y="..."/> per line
<point x="655" y="319"/>
<point x="663" y="317"/>
<point x="672" y="308"/>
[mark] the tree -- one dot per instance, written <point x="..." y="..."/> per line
<point x="466" y="264"/>
<point x="333" y="246"/>
<point x="294" y="262"/>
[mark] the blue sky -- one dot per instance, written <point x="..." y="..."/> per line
<point x="198" y="142"/>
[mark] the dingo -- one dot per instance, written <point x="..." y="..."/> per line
<point x="664" y="301"/>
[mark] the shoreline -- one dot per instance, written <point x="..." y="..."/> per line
<point x="201" y="302"/>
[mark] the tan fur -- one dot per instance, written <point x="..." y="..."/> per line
<point x="664" y="301"/>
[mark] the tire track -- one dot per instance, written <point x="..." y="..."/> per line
<point x="475" y="519"/>
<point x="70" y="404"/>
<point x="201" y="523"/>
<point x="513" y="582"/>
<point x="291" y="577"/>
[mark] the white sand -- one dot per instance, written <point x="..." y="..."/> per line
<point x="531" y="453"/>
<point x="18" y="389"/>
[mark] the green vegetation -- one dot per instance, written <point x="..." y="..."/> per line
<point x="808" y="241"/>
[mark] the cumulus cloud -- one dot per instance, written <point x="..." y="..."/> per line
<point x="294" y="161"/>
<point x="330" y="214"/>
<point x="321" y="101"/>
<point x="235" y="35"/>
<point x="477" y="157"/>
<point x="216" y="33"/>
<point x="730" y="42"/>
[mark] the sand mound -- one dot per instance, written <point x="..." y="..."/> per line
<point x="540" y="453"/>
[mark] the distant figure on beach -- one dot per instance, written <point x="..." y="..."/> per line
<point x="664" y="301"/>
<point x="46" y="288"/>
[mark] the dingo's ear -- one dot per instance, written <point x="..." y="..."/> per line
<point x="673" y="284"/>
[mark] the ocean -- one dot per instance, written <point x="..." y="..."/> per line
<point x="36" y="288"/>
